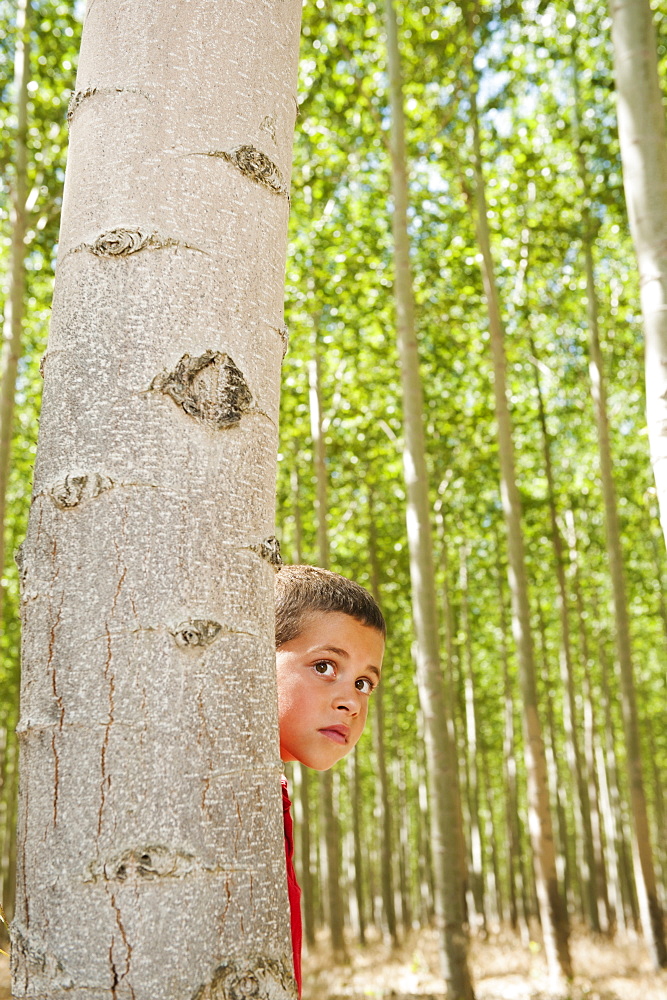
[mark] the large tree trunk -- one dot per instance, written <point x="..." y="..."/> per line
<point x="553" y="914"/>
<point x="14" y="303"/>
<point x="446" y="830"/>
<point x="151" y="861"/>
<point x="643" y="140"/>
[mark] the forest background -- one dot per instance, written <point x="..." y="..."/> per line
<point x="542" y="77"/>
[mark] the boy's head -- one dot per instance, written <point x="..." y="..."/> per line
<point x="329" y="645"/>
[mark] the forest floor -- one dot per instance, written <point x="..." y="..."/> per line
<point x="502" y="968"/>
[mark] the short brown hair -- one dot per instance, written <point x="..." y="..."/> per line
<point x="301" y="590"/>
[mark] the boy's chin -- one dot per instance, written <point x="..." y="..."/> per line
<point x="316" y="763"/>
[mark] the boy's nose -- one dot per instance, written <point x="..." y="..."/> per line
<point x="348" y="701"/>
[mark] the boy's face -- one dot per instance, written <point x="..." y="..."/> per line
<point x="325" y="677"/>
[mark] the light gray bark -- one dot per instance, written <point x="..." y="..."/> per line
<point x="151" y="861"/>
<point x="643" y="141"/>
<point x="553" y="914"/>
<point x="446" y="831"/>
<point x="14" y="303"/>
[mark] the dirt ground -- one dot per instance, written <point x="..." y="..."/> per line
<point x="503" y="970"/>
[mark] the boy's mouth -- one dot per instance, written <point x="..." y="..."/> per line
<point x="337" y="734"/>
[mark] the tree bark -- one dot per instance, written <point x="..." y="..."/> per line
<point x="553" y="914"/>
<point x="446" y="832"/>
<point x="14" y="303"/>
<point x="151" y="856"/>
<point x="643" y="140"/>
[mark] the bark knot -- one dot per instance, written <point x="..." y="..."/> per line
<point x="76" y="99"/>
<point x="121" y="242"/>
<point x="257" y="166"/>
<point x="199" y="632"/>
<point x="141" y="864"/>
<point x="269" y="549"/>
<point x="74" y="488"/>
<point x="28" y="950"/>
<point x="268" y="125"/>
<point x="256" y="978"/>
<point x="211" y="388"/>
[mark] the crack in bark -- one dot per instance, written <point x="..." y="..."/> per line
<point x="57" y="698"/>
<point x="106" y="779"/>
<point x="79" y="96"/>
<point x="128" y="947"/>
<point x="283" y="333"/>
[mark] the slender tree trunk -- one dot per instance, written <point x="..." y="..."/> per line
<point x="354" y="782"/>
<point x="302" y="773"/>
<point x="553" y="914"/>
<point x="493" y="884"/>
<point x="558" y="788"/>
<point x="616" y="825"/>
<point x="332" y="837"/>
<point x="651" y="913"/>
<point x="307" y="899"/>
<point x="405" y="846"/>
<point x="14" y="303"/>
<point x="659" y="806"/>
<point x="581" y="806"/>
<point x="150" y="770"/>
<point x="476" y="905"/>
<point x="446" y="834"/>
<point x="653" y="276"/>
<point x="643" y="141"/>
<point x="383" y="797"/>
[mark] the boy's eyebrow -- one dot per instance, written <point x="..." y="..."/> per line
<point x="343" y="652"/>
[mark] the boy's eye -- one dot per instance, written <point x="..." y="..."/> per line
<point x="325" y="668"/>
<point x="364" y="685"/>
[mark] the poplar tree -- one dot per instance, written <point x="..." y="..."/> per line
<point x="446" y="832"/>
<point x="151" y="860"/>
<point x="643" y="139"/>
<point x="14" y="303"/>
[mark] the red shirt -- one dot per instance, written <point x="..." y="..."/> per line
<point x="293" y="890"/>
